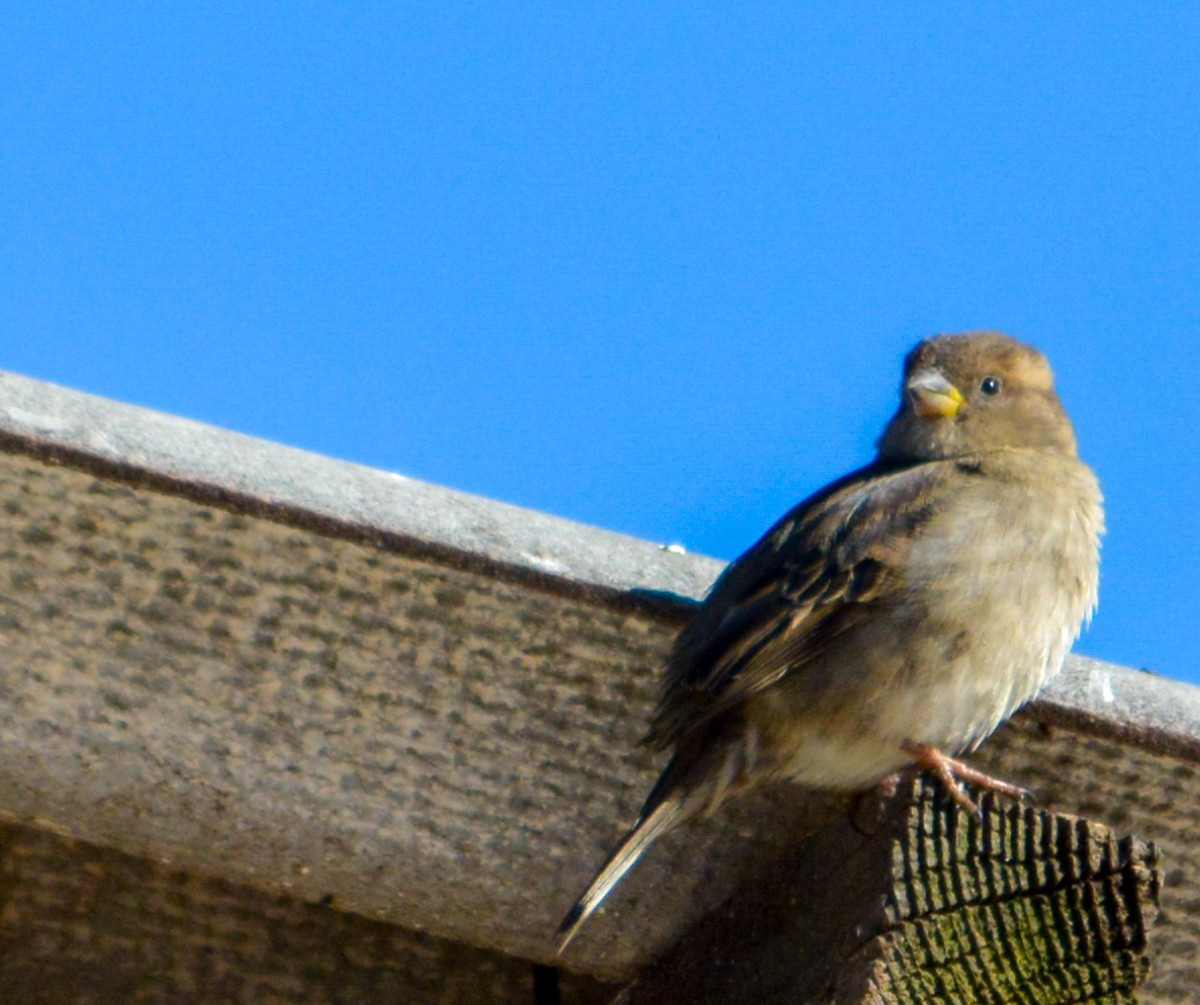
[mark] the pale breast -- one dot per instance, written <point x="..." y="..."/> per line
<point x="998" y="586"/>
<point x="1019" y="560"/>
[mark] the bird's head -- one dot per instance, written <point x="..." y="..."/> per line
<point x="970" y="393"/>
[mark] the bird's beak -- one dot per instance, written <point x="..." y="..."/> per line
<point x="932" y="394"/>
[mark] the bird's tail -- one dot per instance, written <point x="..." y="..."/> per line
<point x="652" y="825"/>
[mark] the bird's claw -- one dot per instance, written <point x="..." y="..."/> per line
<point x="952" y="773"/>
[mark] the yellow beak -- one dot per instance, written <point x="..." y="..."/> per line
<point x="932" y="394"/>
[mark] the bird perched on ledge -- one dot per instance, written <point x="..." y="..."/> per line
<point x="896" y="617"/>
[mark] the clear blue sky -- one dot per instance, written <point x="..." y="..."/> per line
<point x="652" y="267"/>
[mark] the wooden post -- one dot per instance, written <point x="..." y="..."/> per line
<point x="923" y="904"/>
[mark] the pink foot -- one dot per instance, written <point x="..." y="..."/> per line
<point x="950" y="772"/>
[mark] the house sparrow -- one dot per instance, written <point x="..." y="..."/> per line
<point x="895" y="618"/>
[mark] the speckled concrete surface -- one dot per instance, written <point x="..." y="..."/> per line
<point x="90" y="926"/>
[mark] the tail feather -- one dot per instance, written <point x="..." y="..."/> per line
<point x="653" y="825"/>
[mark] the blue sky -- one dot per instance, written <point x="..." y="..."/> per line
<point x="653" y="267"/>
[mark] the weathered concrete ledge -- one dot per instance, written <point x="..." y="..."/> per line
<point x="308" y="676"/>
<point x="153" y="450"/>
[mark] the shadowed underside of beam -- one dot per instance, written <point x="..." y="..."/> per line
<point x="87" y="924"/>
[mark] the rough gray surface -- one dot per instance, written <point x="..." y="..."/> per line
<point x="1137" y="706"/>
<point x="313" y="678"/>
<point x="88" y="925"/>
<point x="307" y="712"/>
<point x="270" y="476"/>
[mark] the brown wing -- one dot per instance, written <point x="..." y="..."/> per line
<point x="812" y="576"/>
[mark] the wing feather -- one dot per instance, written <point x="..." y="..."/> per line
<point x="811" y="577"/>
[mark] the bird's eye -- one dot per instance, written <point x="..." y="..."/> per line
<point x="990" y="385"/>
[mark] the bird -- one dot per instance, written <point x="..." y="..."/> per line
<point x="893" y="619"/>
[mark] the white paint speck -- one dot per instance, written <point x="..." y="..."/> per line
<point x="1106" y="691"/>
<point x="546" y="564"/>
<point x="98" y="440"/>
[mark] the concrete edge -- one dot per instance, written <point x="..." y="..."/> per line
<point x="155" y="450"/>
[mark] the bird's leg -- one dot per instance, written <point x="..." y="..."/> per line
<point x="950" y="772"/>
